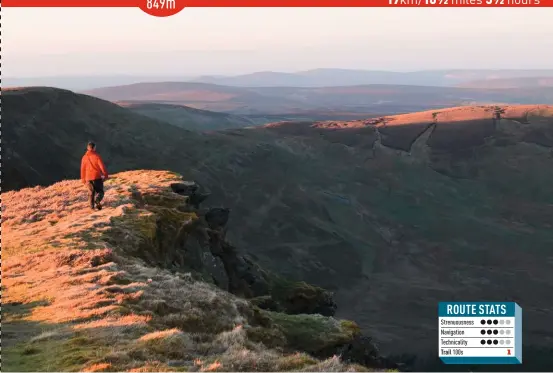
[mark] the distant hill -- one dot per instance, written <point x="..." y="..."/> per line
<point x="204" y="120"/>
<point x="391" y="213"/>
<point x="82" y="82"/>
<point x="369" y="99"/>
<point x="322" y="77"/>
<point x="197" y="95"/>
<point x="187" y="117"/>
<point x="510" y="83"/>
<point x="342" y="77"/>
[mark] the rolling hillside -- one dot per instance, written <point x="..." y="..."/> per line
<point x="187" y="117"/>
<point x="392" y="213"/>
<point x="343" y="77"/>
<point x="197" y="95"/>
<point x="511" y="83"/>
<point x="322" y="77"/>
<point x="369" y="99"/>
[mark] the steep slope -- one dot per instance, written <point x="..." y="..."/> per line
<point x="124" y="289"/>
<point x="46" y="130"/>
<point x="187" y="117"/>
<point x="393" y="214"/>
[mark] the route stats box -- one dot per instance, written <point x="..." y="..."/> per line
<point x="480" y="332"/>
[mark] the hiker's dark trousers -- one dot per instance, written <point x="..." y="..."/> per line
<point x="95" y="191"/>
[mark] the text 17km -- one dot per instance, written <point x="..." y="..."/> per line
<point x="160" y="4"/>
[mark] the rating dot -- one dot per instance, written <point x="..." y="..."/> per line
<point x="483" y="322"/>
<point x="508" y="322"/>
<point x="495" y="342"/>
<point x="495" y="331"/>
<point x="489" y="322"/>
<point x="508" y="341"/>
<point x="489" y="341"/>
<point x="483" y="342"/>
<point x="501" y="331"/>
<point x="508" y="332"/>
<point x="501" y="322"/>
<point x="501" y="342"/>
<point x="489" y="332"/>
<point x="495" y="322"/>
<point x="482" y="331"/>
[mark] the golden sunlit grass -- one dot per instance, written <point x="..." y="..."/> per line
<point x="75" y="300"/>
<point x="58" y="216"/>
<point x="453" y="114"/>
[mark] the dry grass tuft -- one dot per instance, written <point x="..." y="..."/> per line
<point x="102" y="367"/>
<point x="162" y="334"/>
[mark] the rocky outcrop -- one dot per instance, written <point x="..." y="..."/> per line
<point x="211" y="254"/>
<point x="191" y="191"/>
<point x="322" y="337"/>
<point x="175" y="232"/>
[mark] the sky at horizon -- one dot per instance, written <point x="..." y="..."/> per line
<point x="226" y="41"/>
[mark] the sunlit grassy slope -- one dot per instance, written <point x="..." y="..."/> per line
<point x="74" y="299"/>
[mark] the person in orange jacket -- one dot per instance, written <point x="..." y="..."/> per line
<point x="93" y="174"/>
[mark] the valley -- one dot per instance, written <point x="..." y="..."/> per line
<point x="392" y="213"/>
<point x="356" y="99"/>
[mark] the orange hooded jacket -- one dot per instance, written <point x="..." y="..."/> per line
<point x="92" y="167"/>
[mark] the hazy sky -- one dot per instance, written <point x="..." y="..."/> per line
<point x="65" y="41"/>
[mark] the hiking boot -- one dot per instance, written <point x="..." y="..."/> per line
<point x="98" y="206"/>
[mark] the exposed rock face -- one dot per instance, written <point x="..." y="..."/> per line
<point x="217" y="218"/>
<point x="245" y="277"/>
<point x="209" y="253"/>
<point x="183" y="237"/>
<point x="191" y="191"/>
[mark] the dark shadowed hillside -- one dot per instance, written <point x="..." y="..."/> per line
<point x="46" y="131"/>
<point x="392" y="213"/>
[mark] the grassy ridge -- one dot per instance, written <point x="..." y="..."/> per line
<point x="85" y="302"/>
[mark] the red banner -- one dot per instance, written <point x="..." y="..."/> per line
<point x="164" y="8"/>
